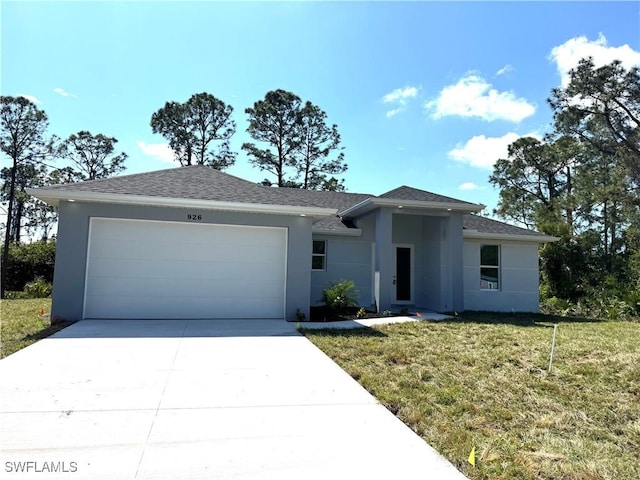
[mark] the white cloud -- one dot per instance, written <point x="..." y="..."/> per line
<point x="567" y="55"/>
<point x="506" y="69"/>
<point x="31" y="98"/>
<point x="481" y="151"/>
<point x="399" y="98"/>
<point x="63" y="92"/>
<point x="400" y="95"/>
<point x="473" y="96"/>
<point x="468" y="186"/>
<point x="161" y="151"/>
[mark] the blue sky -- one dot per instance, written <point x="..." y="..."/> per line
<point x="425" y="94"/>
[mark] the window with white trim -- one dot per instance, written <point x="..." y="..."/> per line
<point x="490" y="267"/>
<point x="319" y="255"/>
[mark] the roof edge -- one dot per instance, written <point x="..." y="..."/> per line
<point x="509" y="236"/>
<point x="54" y="197"/>
<point x="374" y="202"/>
<point x="347" y="232"/>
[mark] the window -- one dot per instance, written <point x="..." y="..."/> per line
<point x="319" y="257"/>
<point x="490" y="267"/>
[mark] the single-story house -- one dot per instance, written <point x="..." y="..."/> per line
<point x="194" y="242"/>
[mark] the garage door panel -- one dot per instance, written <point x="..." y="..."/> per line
<point x="194" y="252"/>
<point x="173" y="269"/>
<point x="167" y="308"/>
<point x="174" y="288"/>
<point x="147" y="269"/>
<point x="150" y="249"/>
<point x="194" y="278"/>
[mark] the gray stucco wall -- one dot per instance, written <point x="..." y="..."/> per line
<point x="437" y="246"/>
<point x="436" y="242"/>
<point x="73" y="231"/>
<point x="519" y="278"/>
<point x="348" y="258"/>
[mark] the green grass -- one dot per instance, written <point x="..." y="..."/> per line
<point x="21" y="325"/>
<point x="481" y="380"/>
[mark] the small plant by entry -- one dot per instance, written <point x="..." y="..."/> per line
<point x="339" y="296"/>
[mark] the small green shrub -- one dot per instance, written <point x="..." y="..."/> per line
<point x="339" y="296"/>
<point x="360" y="314"/>
<point x="555" y="306"/>
<point x="38" y="288"/>
<point x="387" y="313"/>
<point x="598" y="305"/>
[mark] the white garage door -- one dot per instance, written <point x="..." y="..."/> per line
<point x="150" y="269"/>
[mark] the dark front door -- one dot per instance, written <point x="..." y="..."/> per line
<point x="402" y="278"/>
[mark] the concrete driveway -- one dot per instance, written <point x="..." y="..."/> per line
<point x="196" y="399"/>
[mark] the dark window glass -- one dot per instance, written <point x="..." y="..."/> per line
<point x="319" y="257"/>
<point x="319" y="247"/>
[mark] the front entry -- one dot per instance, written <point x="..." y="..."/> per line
<point x="403" y="274"/>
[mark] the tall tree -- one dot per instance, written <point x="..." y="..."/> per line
<point x="536" y="185"/>
<point x="605" y="203"/>
<point x="27" y="175"/>
<point x="276" y="122"/>
<point x="319" y="140"/>
<point x="22" y="139"/>
<point x="299" y="142"/>
<point x="192" y="128"/>
<point x="92" y="156"/>
<point x="601" y="106"/>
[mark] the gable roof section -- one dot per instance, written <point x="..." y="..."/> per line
<point x="196" y="182"/>
<point x="409" y="197"/>
<point x="196" y="186"/>
<point x="410" y="193"/>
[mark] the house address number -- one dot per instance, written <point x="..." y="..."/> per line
<point x="194" y="217"/>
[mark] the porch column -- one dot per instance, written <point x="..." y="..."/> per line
<point x="383" y="281"/>
<point x="452" y="286"/>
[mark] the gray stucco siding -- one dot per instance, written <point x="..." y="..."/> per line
<point x="73" y="237"/>
<point x="436" y="243"/>
<point x="519" y="277"/>
<point x="347" y="258"/>
<point x="437" y="263"/>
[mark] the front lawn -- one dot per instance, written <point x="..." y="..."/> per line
<point x="481" y="381"/>
<point x="21" y="324"/>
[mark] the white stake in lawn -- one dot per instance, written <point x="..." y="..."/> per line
<point x="553" y="346"/>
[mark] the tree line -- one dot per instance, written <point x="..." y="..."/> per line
<point x="581" y="183"/>
<point x="294" y="143"/>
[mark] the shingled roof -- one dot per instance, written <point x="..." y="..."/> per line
<point x="202" y="183"/>
<point x="410" y="193"/>
<point x="337" y="200"/>
<point x="196" y="182"/>
<point x="476" y="223"/>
